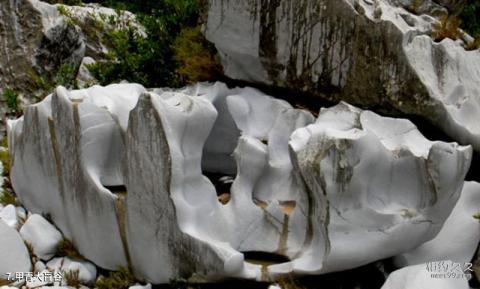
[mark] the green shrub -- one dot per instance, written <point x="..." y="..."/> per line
<point x="195" y="57"/>
<point x="66" y="75"/>
<point x="7" y="198"/>
<point x="470" y="18"/>
<point x="147" y="60"/>
<point x="11" y="98"/>
<point x="121" y="279"/>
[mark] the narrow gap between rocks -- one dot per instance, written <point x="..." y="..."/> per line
<point x="223" y="184"/>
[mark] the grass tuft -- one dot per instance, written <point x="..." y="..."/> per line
<point x="65" y="248"/>
<point x="72" y="278"/>
<point x="121" y="279"/>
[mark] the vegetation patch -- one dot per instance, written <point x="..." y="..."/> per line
<point x="448" y="27"/>
<point x="72" y="278"/>
<point x="195" y="57"/>
<point x="11" y="98"/>
<point x="65" y="248"/>
<point x="121" y="279"/>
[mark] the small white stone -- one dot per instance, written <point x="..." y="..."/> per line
<point x="87" y="271"/>
<point x="39" y="266"/>
<point x="43" y="236"/>
<point x="9" y="216"/>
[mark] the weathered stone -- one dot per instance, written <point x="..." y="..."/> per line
<point x="71" y="147"/>
<point x="121" y="172"/>
<point x="373" y="54"/>
<point x="38" y="38"/>
<point x="460" y="235"/>
<point x="41" y="235"/>
<point x="385" y="189"/>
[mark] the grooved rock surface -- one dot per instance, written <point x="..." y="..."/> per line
<point x="376" y="54"/>
<point x="382" y="183"/>
<point x="122" y="172"/>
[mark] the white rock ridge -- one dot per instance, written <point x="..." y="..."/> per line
<point x="122" y="171"/>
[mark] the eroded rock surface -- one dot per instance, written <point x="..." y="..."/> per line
<point x="122" y="173"/>
<point x="376" y="54"/>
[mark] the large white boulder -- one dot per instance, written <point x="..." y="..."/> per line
<point x="13" y="252"/>
<point x="121" y="171"/>
<point x="65" y="151"/>
<point x="42" y="235"/>
<point x="376" y="53"/>
<point x="385" y="188"/>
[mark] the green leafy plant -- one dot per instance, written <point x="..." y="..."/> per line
<point x="121" y="279"/>
<point x="195" y="56"/>
<point x="65" y="248"/>
<point x="7" y="198"/>
<point x="11" y="98"/>
<point x="148" y="60"/>
<point x="66" y="75"/>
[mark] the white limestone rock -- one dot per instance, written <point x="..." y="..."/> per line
<point x="459" y="237"/>
<point x="84" y="77"/>
<point x="121" y="173"/>
<point x="369" y="53"/>
<point x="163" y="139"/>
<point x="418" y="277"/>
<point x="87" y="271"/>
<point x="39" y="266"/>
<point x="9" y="216"/>
<point x="385" y="188"/>
<point x="66" y="150"/>
<point x="13" y="252"/>
<point x="42" y="235"/>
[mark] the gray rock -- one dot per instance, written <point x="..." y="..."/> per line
<point x="38" y="38"/>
